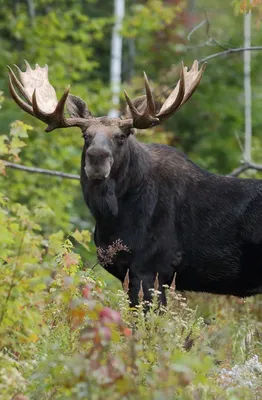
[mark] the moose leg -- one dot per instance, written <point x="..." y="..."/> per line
<point x="162" y="295"/>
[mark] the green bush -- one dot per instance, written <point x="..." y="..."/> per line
<point x="60" y="339"/>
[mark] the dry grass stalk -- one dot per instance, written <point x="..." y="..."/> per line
<point x="126" y="282"/>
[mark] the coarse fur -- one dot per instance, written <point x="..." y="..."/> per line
<point x="176" y="217"/>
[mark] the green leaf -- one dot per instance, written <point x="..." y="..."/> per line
<point x="19" y="129"/>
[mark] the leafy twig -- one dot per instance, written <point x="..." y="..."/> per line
<point x="12" y="284"/>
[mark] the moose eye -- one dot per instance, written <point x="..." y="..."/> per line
<point x="121" y="138"/>
<point x="87" y="139"/>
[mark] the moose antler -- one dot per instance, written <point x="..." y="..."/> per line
<point x="41" y="97"/>
<point x="41" y="100"/>
<point x="143" y="109"/>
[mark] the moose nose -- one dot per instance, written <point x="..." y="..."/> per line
<point x="96" y="152"/>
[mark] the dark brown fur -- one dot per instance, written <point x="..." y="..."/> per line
<point x="176" y="217"/>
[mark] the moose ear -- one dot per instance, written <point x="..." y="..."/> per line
<point x="76" y="107"/>
<point x="127" y="130"/>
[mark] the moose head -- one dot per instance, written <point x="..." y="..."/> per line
<point x="105" y="138"/>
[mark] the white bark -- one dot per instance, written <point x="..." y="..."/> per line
<point x="116" y="56"/>
<point x="247" y="88"/>
<point x="31" y="10"/>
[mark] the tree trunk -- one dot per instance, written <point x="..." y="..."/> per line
<point x="31" y="10"/>
<point x="116" y="56"/>
<point x="247" y="88"/>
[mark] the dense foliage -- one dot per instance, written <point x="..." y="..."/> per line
<point x="66" y="331"/>
<point x="60" y="338"/>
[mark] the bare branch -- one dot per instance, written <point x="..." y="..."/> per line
<point x="252" y="165"/>
<point x="245" y="167"/>
<point x="230" y="51"/>
<point x="195" y="29"/>
<point x="207" y="24"/>
<point x="40" y="170"/>
<point x="239" y="142"/>
<point x="235" y="172"/>
<point x="210" y="39"/>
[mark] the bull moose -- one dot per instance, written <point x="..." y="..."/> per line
<point x="174" y="216"/>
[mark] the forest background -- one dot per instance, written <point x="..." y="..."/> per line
<point x="74" y="39"/>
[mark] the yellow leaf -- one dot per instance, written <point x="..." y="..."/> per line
<point x="33" y="338"/>
<point x="77" y="235"/>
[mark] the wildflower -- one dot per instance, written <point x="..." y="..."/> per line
<point x="109" y="315"/>
<point x="105" y="333"/>
<point x="86" y="292"/>
<point x="106" y="256"/>
<point x="127" y="332"/>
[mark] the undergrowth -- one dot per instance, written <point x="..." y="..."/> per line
<point x="65" y="334"/>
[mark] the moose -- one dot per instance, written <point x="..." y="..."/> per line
<point x="175" y="217"/>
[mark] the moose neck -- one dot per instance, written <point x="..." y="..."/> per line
<point x="131" y="170"/>
<point x="103" y="197"/>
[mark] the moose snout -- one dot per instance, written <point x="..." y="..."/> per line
<point x="95" y="154"/>
<point x="98" y="162"/>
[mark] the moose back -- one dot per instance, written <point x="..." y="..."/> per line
<point x="173" y="216"/>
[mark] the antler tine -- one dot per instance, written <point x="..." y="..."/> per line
<point x="195" y="66"/>
<point x="133" y="109"/>
<point x="17" y="82"/>
<point x="174" y="100"/>
<point x="189" y="81"/>
<point x="59" y="112"/>
<point x="37" y="112"/>
<point x="149" y="96"/>
<point x="28" y="67"/>
<point x="26" y="107"/>
<point x="196" y="78"/>
<point x="146" y="117"/>
<point x="61" y="103"/>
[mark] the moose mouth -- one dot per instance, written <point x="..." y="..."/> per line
<point x="96" y="175"/>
